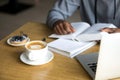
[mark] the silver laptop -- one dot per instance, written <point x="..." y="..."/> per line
<point x="105" y="64"/>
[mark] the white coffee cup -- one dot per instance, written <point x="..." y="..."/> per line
<point x="36" y="49"/>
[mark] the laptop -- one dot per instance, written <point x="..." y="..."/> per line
<point x="105" y="64"/>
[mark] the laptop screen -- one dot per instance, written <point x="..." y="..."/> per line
<point x="108" y="66"/>
<point x="107" y="59"/>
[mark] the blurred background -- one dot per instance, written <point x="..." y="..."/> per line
<point x="23" y="11"/>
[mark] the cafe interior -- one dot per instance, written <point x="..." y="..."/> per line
<point x="30" y="16"/>
<point x="12" y="17"/>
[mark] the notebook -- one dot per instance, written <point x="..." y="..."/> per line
<point x="105" y="64"/>
<point x="68" y="47"/>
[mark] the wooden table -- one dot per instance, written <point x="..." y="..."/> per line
<point x="60" y="68"/>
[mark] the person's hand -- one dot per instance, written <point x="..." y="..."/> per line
<point x="111" y="30"/>
<point x="63" y="27"/>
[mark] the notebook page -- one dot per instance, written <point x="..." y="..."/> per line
<point x="97" y="27"/>
<point x="93" y="32"/>
<point x="91" y="37"/>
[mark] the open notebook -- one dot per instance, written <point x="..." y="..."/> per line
<point x="104" y="65"/>
<point x="84" y="31"/>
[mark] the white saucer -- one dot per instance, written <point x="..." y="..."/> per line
<point x="25" y="60"/>
<point x="8" y="41"/>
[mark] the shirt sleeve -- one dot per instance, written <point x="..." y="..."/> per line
<point x="61" y="10"/>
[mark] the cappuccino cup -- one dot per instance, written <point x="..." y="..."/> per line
<point x="36" y="50"/>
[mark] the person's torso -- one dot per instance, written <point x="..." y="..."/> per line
<point x="103" y="11"/>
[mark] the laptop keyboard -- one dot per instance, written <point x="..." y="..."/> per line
<point x="93" y="66"/>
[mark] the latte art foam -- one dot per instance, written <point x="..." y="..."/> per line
<point x="35" y="46"/>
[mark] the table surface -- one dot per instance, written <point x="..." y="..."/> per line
<point x="60" y="68"/>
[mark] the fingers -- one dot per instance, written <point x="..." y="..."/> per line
<point x="109" y="30"/>
<point x="69" y="29"/>
<point x="63" y="27"/>
<point x="59" y="29"/>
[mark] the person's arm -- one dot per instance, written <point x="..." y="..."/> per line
<point x="111" y="30"/>
<point x="59" y="13"/>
